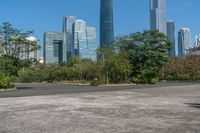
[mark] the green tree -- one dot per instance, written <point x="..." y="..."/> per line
<point x="147" y="53"/>
<point x="115" y="66"/>
<point x="14" y="41"/>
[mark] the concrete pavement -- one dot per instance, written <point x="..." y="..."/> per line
<point x="159" y="109"/>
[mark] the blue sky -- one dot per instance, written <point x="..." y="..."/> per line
<point x="129" y="15"/>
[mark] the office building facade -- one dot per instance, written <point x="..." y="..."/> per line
<point x="76" y="39"/>
<point x="171" y="37"/>
<point x="84" y="40"/>
<point x="80" y="38"/>
<point x="158" y="16"/>
<point x="54" y="50"/>
<point x="91" y="41"/>
<point x="68" y="23"/>
<point x="184" y="42"/>
<point x="106" y="23"/>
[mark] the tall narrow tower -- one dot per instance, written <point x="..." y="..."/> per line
<point x="106" y="23"/>
<point x="158" y="16"/>
<point x="171" y="37"/>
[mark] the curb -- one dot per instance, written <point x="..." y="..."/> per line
<point x="7" y="90"/>
<point x="116" y="85"/>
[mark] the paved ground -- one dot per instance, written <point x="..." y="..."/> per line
<point x="150" y="109"/>
<point x="53" y="89"/>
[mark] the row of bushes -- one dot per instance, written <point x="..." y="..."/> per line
<point x="182" y="69"/>
<point x="79" y="69"/>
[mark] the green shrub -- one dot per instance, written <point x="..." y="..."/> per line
<point x="5" y="81"/>
<point x="30" y="75"/>
<point x="148" y="80"/>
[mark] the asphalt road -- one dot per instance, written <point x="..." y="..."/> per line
<point x="161" y="108"/>
<point x="27" y="89"/>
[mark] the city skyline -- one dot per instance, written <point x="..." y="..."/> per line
<point x="76" y="39"/>
<point x="124" y="15"/>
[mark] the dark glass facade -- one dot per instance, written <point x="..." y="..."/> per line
<point x="171" y="37"/>
<point x="106" y="23"/>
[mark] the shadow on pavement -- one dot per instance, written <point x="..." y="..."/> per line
<point x="194" y="105"/>
<point x="24" y="88"/>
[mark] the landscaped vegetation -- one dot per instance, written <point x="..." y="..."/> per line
<point x="14" y="42"/>
<point x="182" y="69"/>
<point x="138" y="58"/>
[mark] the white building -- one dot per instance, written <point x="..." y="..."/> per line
<point x="32" y="54"/>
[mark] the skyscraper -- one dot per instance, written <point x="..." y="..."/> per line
<point x="171" y="37"/>
<point x="76" y="39"/>
<point x="91" y="40"/>
<point x="68" y="23"/>
<point x="184" y="42"/>
<point x="106" y="23"/>
<point x="54" y="52"/>
<point x="84" y="40"/>
<point x="158" y="16"/>
<point x="80" y="38"/>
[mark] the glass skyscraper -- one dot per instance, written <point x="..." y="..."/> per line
<point x="84" y="40"/>
<point x="158" y="16"/>
<point x="91" y="41"/>
<point x="106" y="23"/>
<point x="54" y="52"/>
<point x="76" y="39"/>
<point x="68" y="23"/>
<point x="171" y="37"/>
<point x="184" y="42"/>
<point x="80" y="38"/>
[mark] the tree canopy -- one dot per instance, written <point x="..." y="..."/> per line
<point x="147" y="53"/>
<point x="13" y="41"/>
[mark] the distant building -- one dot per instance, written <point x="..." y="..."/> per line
<point x="91" y="40"/>
<point x="28" y="53"/>
<point x="195" y="50"/>
<point x="184" y="42"/>
<point x="158" y="16"/>
<point x="54" y="51"/>
<point x="197" y="40"/>
<point x="80" y="38"/>
<point x="41" y="60"/>
<point x="68" y="23"/>
<point x="171" y="37"/>
<point x="84" y="40"/>
<point x="106" y="23"/>
<point x="76" y="40"/>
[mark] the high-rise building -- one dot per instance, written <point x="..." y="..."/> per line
<point x="184" y="42"/>
<point x="197" y="40"/>
<point x="158" y="16"/>
<point x="84" y="40"/>
<point x="80" y="38"/>
<point x="91" y="41"/>
<point x="68" y="23"/>
<point x="106" y="23"/>
<point x="76" y="40"/>
<point x="171" y="37"/>
<point x="54" y="52"/>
